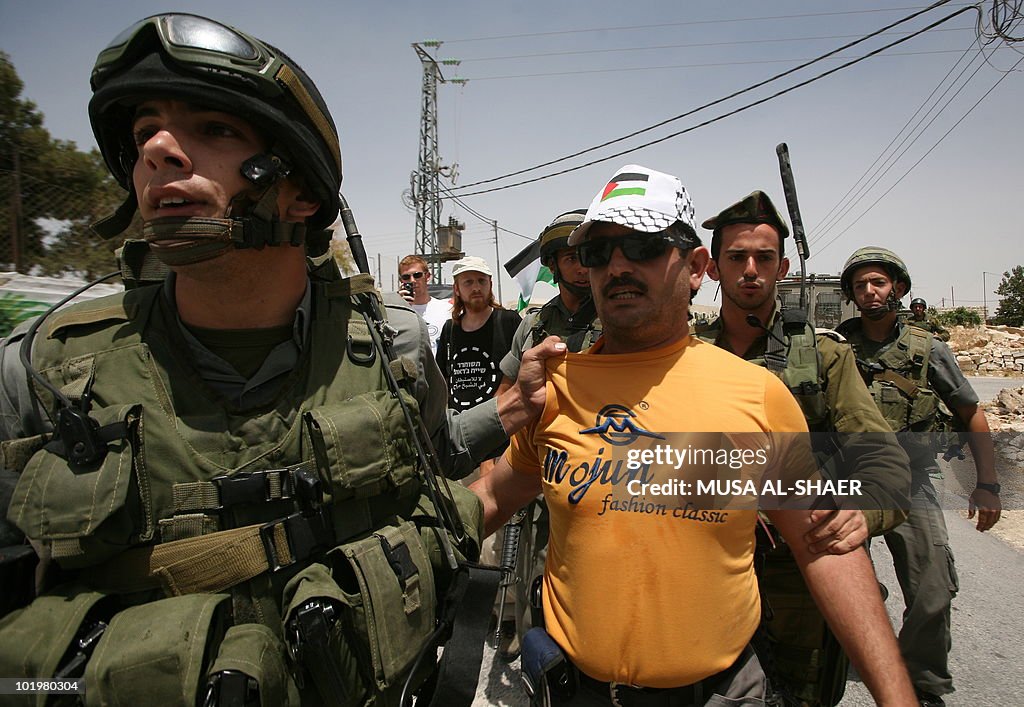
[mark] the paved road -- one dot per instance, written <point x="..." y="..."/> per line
<point x="988" y="650"/>
<point x="987" y="387"/>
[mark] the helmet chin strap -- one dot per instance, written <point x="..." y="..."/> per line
<point x="579" y="292"/>
<point x="892" y="304"/>
<point x="252" y="220"/>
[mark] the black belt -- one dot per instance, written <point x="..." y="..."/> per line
<point x="622" y="695"/>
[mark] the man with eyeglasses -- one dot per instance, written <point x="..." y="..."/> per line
<point x="229" y="470"/>
<point x="649" y="594"/>
<point x="415" y="277"/>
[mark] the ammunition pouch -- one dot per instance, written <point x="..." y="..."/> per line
<point x="86" y="514"/>
<point x="250" y="670"/>
<point x="38" y="639"/>
<point x="361" y="619"/>
<point x="362" y="449"/>
<point x="158" y="653"/>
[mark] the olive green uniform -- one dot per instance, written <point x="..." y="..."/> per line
<point x="928" y="325"/>
<point x="170" y="537"/>
<point x="920" y="548"/>
<point x="805" y="660"/>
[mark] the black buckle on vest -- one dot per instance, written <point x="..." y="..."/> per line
<point x="808" y="388"/>
<point x="400" y="560"/>
<point x="251" y="487"/>
<point x="306" y="534"/>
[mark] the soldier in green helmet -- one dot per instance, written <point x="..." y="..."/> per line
<point x="909" y="373"/>
<point x="229" y="474"/>
<point x="851" y="439"/>
<point x="919" y="318"/>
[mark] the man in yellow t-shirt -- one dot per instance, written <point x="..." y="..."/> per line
<point x="650" y="593"/>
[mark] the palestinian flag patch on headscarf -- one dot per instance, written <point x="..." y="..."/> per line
<point x="625" y="184"/>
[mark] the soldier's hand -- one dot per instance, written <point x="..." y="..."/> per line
<point x="532" y="371"/>
<point x="836" y="532"/>
<point x="988" y="507"/>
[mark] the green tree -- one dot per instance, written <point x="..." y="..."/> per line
<point x="1011" y="289"/>
<point x="961" y="316"/>
<point x="49" y="192"/>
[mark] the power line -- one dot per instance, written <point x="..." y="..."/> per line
<point x="921" y="159"/>
<point x="691" y="45"/>
<point x="702" y="124"/>
<point x="706" y="65"/>
<point x="861" y="187"/>
<point x="489" y="221"/>
<point x="723" y="99"/>
<point x="556" y="33"/>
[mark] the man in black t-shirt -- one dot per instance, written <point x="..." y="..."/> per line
<point x="476" y="338"/>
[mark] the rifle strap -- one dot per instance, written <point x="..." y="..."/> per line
<point x="468" y="611"/>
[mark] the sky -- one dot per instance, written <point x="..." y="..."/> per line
<point x="547" y="79"/>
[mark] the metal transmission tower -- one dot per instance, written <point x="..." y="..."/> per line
<point x="426" y="180"/>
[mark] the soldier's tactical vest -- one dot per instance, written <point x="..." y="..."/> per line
<point x="579" y="331"/>
<point x="236" y="521"/>
<point x="897" y="377"/>
<point x="801" y="656"/>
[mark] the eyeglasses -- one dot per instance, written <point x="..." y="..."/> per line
<point x="410" y="275"/>
<point x="202" y="45"/>
<point x="636" y="247"/>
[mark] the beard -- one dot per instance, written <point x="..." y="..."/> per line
<point x="477" y="304"/>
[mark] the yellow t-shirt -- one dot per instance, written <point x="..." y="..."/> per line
<point x="645" y="589"/>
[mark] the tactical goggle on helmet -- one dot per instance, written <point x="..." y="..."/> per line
<point x="555" y="235"/>
<point x="873" y="255"/>
<point x="202" y="61"/>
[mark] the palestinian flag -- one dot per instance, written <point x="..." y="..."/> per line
<point x="625" y="184"/>
<point x="525" y="267"/>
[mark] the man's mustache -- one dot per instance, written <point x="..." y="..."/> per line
<point x="623" y="281"/>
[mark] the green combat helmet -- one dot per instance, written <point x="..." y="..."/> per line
<point x="201" y="61"/>
<point x="554" y="238"/>
<point x="555" y="235"/>
<point x="874" y="255"/>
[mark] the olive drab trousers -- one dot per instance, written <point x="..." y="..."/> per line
<point x="927" y="575"/>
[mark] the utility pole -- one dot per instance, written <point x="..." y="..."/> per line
<point x="984" y="293"/>
<point x="426" y="182"/>
<point x="379" y="281"/>
<point x="497" y="258"/>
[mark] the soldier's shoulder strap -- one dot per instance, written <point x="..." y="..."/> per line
<point x="118" y="307"/>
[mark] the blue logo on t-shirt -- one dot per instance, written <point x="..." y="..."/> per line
<point x="616" y="424"/>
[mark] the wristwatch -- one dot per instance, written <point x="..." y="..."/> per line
<point x="991" y="488"/>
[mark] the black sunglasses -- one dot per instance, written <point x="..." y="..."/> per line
<point x="410" y="275"/>
<point x="637" y="247"/>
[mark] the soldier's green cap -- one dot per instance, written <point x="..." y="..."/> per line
<point x="756" y="207"/>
